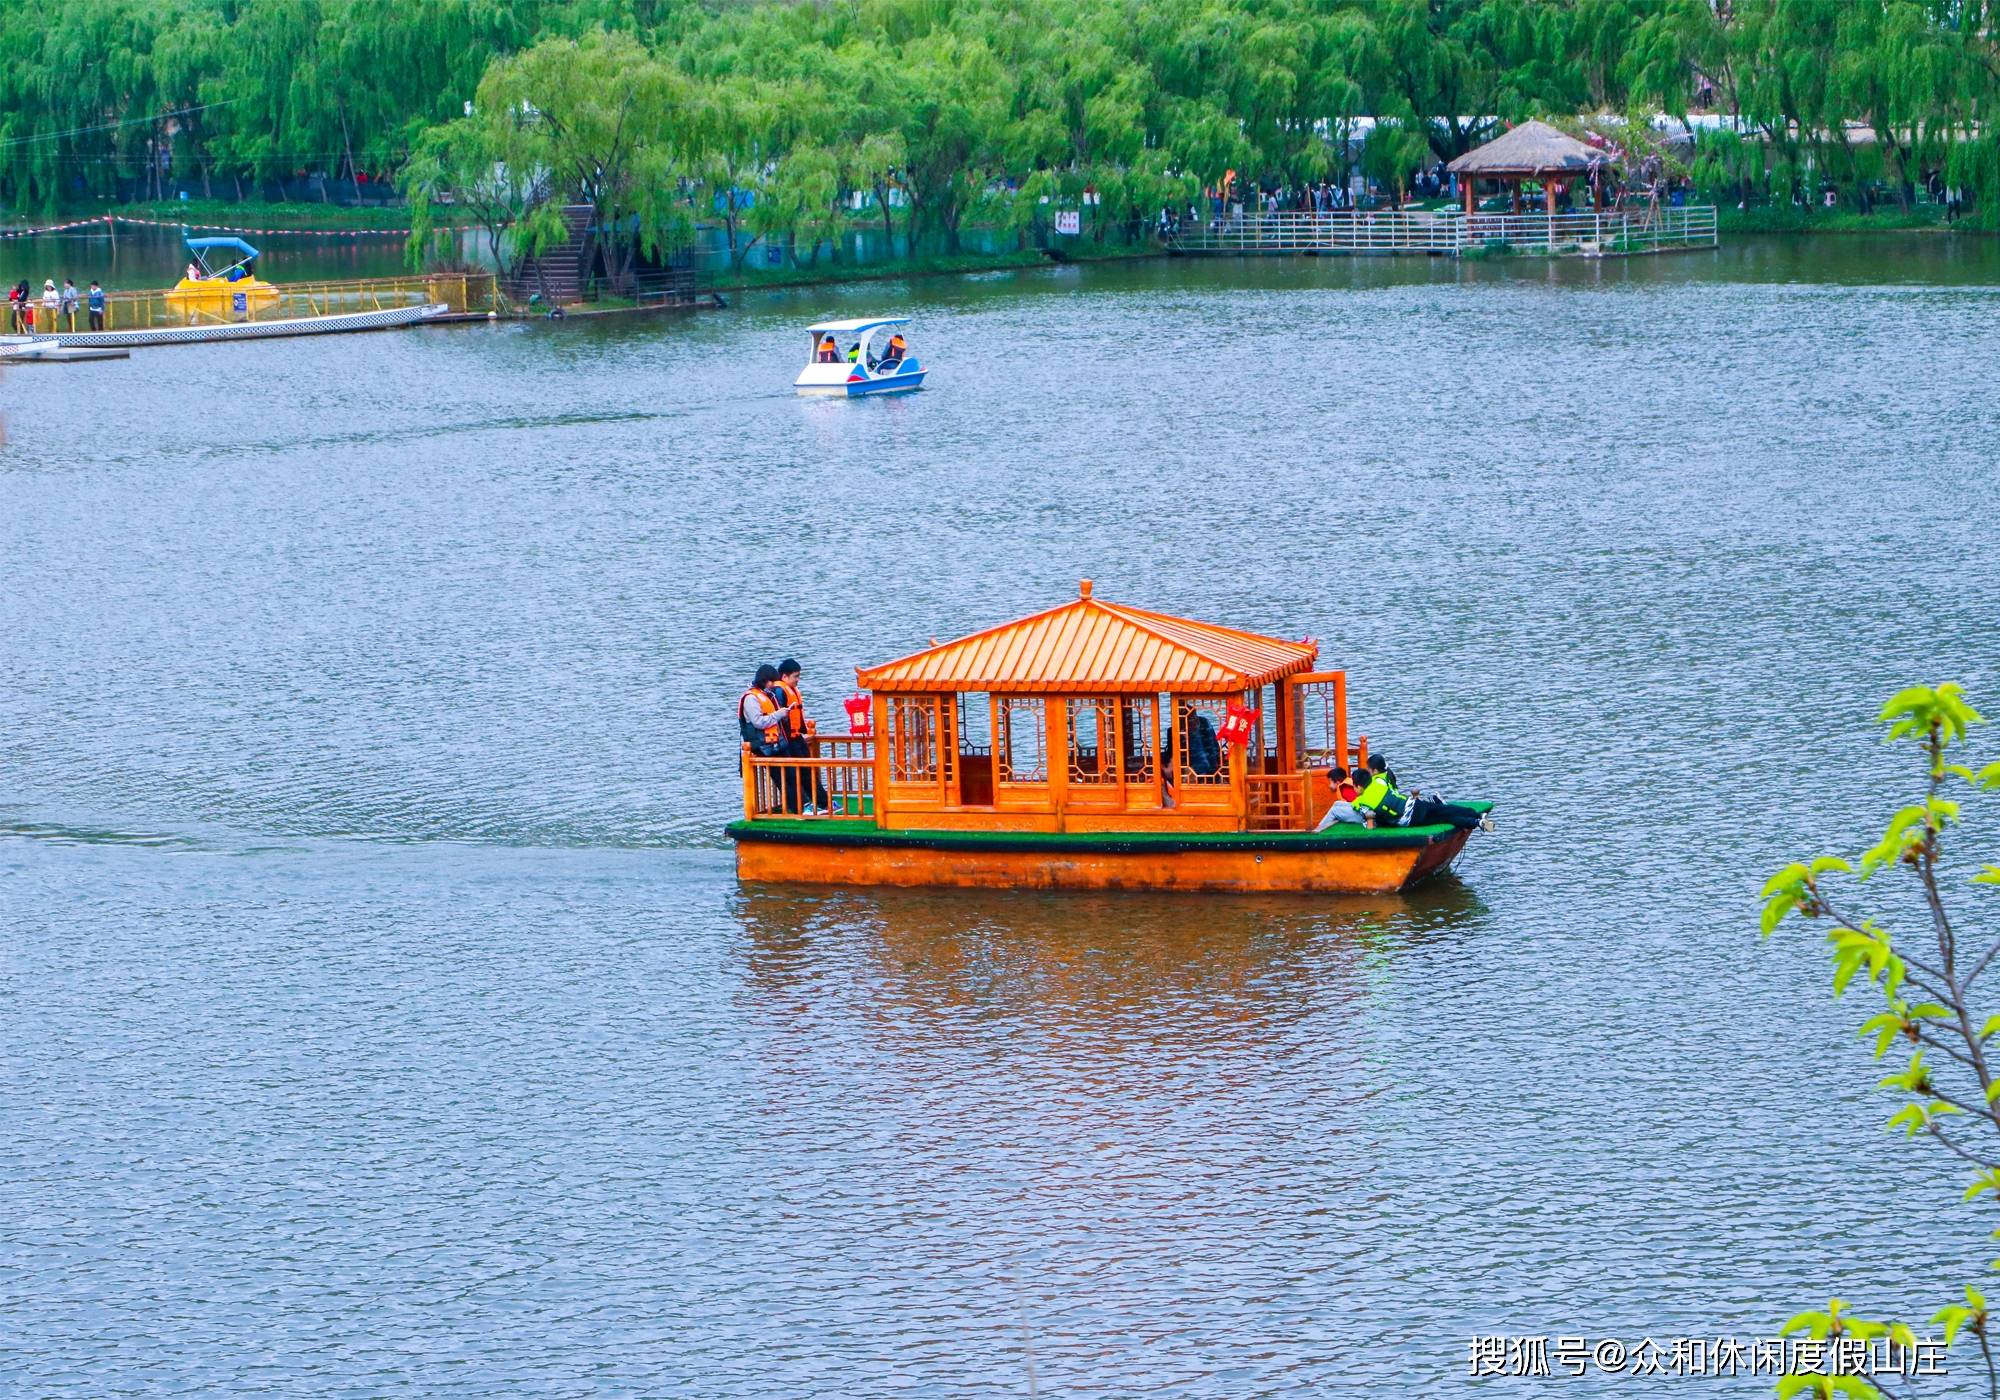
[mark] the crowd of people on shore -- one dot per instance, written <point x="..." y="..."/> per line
<point x="56" y="308"/>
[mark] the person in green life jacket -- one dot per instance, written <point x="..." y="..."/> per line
<point x="1382" y="803"/>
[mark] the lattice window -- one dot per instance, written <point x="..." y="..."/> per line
<point x="1201" y="759"/>
<point x="1023" y="740"/>
<point x="1093" y="743"/>
<point x="975" y="725"/>
<point x="1136" y="717"/>
<point x="913" y="739"/>
<point x="1319" y="720"/>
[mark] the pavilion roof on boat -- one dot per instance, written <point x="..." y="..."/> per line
<point x="1091" y="646"/>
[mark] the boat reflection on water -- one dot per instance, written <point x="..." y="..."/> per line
<point x="1086" y="959"/>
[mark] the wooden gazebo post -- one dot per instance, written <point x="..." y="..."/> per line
<point x="1530" y="151"/>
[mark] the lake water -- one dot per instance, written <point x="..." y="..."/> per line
<point x="384" y="1017"/>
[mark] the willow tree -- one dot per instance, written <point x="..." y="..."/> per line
<point x="601" y="121"/>
<point x="463" y="166"/>
<point x="951" y="123"/>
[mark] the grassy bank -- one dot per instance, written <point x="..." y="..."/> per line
<point x="1923" y="218"/>
<point x="929" y="265"/>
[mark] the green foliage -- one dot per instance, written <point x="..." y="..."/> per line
<point x="1949" y="1089"/>
<point x="956" y="104"/>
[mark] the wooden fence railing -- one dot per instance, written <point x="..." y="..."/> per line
<point x="1449" y="233"/>
<point x="459" y="291"/>
<point x="1277" y="801"/>
<point x="835" y="789"/>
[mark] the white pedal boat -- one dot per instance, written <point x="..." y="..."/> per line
<point x="856" y="368"/>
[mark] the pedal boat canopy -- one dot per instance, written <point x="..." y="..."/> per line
<point x="228" y="289"/>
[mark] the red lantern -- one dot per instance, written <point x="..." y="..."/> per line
<point x="860" y="714"/>
<point x="1236" y="725"/>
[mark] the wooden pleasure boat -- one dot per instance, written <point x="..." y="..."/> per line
<point x="1092" y="746"/>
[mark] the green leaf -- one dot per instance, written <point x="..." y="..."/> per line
<point x="1886" y="1028"/>
<point x="1805" y="1322"/>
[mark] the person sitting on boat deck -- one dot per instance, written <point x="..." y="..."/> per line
<point x="1378" y="767"/>
<point x="1382" y="803"/>
<point x="798" y="743"/>
<point x="194" y="272"/>
<point x="829" y="350"/>
<point x="854" y="353"/>
<point x="1343" y="810"/>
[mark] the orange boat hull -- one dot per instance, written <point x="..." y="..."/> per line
<point x="1234" y="865"/>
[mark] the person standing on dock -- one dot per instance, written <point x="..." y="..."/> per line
<point x="51" y="306"/>
<point x="17" y="297"/>
<point x="96" y="306"/>
<point x="69" y="303"/>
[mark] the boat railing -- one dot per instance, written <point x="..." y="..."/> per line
<point x="1277" y="801"/>
<point x="859" y="747"/>
<point x="456" y="291"/>
<point x="839" y="788"/>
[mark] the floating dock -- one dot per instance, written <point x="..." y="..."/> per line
<point x="21" y="350"/>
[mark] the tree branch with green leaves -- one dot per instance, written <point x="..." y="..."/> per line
<point x="1927" y="984"/>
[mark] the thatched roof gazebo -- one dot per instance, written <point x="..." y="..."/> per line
<point x="1531" y="151"/>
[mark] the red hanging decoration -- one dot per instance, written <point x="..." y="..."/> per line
<point x="860" y="714"/>
<point x="1236" y="725"/>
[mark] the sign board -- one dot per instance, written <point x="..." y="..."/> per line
<point x="239" y="301"/>
<point x="1069" y="221"/>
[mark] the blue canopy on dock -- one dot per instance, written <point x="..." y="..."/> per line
<point x="203" y="244"/>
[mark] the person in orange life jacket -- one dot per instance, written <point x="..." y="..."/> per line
<point x="1342" y="809"/>
<point x="896" y="351"/>
<point x="1382" y="803"/>
<point x="798" y="738"/>
<point x="829" y="351"/>
<point x="760" y="715"/>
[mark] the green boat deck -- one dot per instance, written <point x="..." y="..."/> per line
<point x="820" y="831"/>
